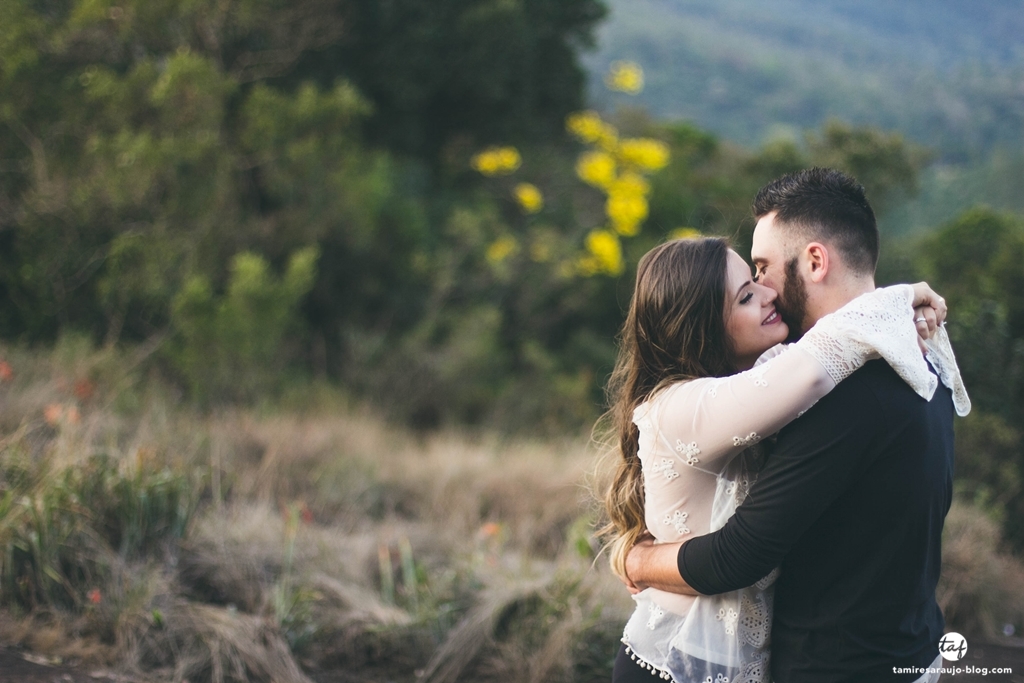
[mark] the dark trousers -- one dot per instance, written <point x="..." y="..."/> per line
<point x="628" y="671"/>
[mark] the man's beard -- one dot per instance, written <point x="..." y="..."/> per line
<point x="791" y="303"/>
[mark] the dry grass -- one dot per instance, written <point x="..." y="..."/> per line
<point x="326" y="541"/>
<point x="329" y="545"/>
<point x="980" y="590"/>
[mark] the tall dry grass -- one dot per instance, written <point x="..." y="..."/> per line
<point x="313" y="541"/>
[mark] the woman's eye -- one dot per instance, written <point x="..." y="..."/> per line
<point x="747" y="297"/>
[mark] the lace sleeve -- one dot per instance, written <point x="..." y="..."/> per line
<point x="702" y="420"/>
<point x="940" y="354"/>
<point x="876" y="324"/>
<point x="705" y="419"/>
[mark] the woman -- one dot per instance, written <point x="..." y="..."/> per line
<point x="693" y="392"/>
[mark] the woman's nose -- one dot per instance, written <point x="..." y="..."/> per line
<point x="769" y="295"/>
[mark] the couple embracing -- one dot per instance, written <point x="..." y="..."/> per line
<point x="777" y="509"/>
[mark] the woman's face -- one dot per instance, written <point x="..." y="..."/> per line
<point x="751" y="321"/>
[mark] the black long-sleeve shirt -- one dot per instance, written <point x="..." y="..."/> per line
<point x="850" y="505"/>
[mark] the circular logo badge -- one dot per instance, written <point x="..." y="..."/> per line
<point x="953" y="647"/>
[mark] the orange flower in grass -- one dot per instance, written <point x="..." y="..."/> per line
<point x="56" y="413"/>
<point x="84" y="389"/>
<point x="52" y="414"/>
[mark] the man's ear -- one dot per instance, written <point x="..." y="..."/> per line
<point x="816" y="261"/>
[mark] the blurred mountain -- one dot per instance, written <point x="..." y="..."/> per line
<point x="946" y="73"/>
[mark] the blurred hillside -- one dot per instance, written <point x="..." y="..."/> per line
<point x="946" y="74"/>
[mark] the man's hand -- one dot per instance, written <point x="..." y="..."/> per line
<point x="634" y="564"/>
<point x="651" y="565"/>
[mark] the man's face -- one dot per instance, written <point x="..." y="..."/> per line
<point x="775" y="268"/>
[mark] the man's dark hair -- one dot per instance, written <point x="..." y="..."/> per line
<point x="828" y="205"/>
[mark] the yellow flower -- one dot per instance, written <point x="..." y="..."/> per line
<point x="644" y="153"/>
<point x="585" y="125"/>
<point x="588" y="127"/>
<point x="497" y="161"/>
<point x="625" y="77"/>
<point x="684" y="233"/>
<point x="501" y="249"/>
<point x="529" y="197"/>
<point x="609" y="138"/>
<point x="596" y="168"/>
<point x="626" y="212"/>
<point x="604" y="254"/>
<point x="630" y="184"/>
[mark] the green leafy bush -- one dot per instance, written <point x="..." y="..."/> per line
<point x="232" y="346"/>
<point x="62" y="528"/>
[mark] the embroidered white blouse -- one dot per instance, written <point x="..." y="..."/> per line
<point x="696" y="441"/>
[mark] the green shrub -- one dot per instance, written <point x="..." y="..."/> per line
<point x="62" y="528"/>
<point x="233" y="346"/>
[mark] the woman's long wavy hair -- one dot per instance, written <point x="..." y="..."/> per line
<point x="674" y="331"/>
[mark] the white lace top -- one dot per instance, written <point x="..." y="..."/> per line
<point x="696" y="441"/>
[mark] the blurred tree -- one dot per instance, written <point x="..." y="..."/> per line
<point x="146" y="145"/>
<point x="231" y="346"/>
<point x="884" y="163"/>
<point x="486" y="70"/>
<point x="977" y="262"/>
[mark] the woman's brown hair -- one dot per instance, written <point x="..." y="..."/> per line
<point x="674" y="331"/>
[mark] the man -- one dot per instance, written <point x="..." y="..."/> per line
<point x="851" y="503"/>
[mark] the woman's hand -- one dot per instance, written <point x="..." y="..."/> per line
<point x="929" y="310"/>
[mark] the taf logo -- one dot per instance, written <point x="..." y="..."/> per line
<point x="953" y="647"/>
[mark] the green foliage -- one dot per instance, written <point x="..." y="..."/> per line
<point x="62" y="528"/>
<point x="977" y="262"/>
<point x="884" y="163"/>
<point x="232" y="345"/>
<point x="486" y="70"/>
<point x="151" y="143"/>
<point x="989" y="468"/>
